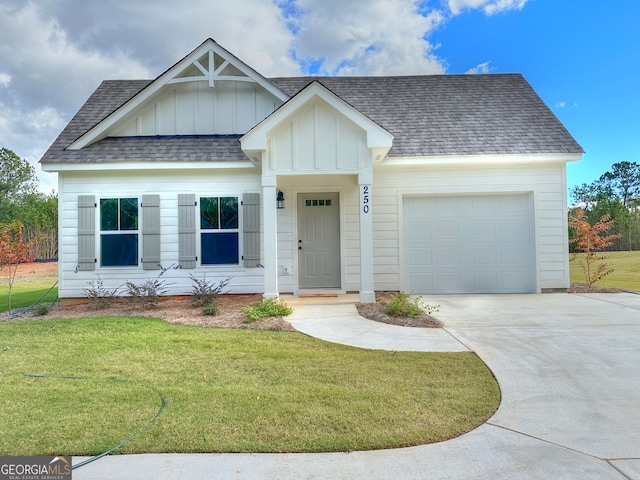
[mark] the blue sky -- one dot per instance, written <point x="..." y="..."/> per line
<point x="581" y="56"/>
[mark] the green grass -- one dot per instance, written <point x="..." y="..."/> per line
<point x="626" y="274"/>
<point x="227" y="390"/>
<point x="25" y="294"/>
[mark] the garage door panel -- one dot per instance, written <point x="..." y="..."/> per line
<point x="483" y="205"/>
<point x="447" y="206"/>
<point x="422" y="282"/>
<point x="421" y="256"/>
<point x="484" y="230"/>
<point x="449" y="282"/>
<point x="515" y="228"/>
<point x="448" y="256"/>
<point x="447" y="231"/>
<point x="485" y="282"/>
<point x="468" y="244"/>
<point x="485" y="255"/>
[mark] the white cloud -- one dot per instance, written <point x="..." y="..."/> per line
<point x="490" y="7"/>
<point x="367" y="37"/>
<point x="560" y="105"/>
<point x="5" y="79"/>
<point x="480" y="68"/>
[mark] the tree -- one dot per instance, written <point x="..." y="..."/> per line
<point x="17" y="176"/>
<point x="13" y="252"/>
<point x="589" y="239"/>
<point x="622" y="182"/>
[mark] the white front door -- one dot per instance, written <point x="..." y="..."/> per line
<point x="318" y="240"/>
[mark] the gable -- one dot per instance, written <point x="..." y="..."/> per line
<point x="209" y="92"/>
<point x="318" y="138"/>
<point x="316" y="130"/>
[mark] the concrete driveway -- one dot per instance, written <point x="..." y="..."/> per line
<point x="568" y="367"/>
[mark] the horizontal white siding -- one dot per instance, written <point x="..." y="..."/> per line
<point x="547" y="183"/>
<point x="167" y="185"/>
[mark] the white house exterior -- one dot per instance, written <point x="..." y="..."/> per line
<point x="425" y="184"/>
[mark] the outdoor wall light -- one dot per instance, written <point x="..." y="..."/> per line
<point x="280" y="200"/>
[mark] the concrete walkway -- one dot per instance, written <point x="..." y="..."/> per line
<point x="568" y="367"/>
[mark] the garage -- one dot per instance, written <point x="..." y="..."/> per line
<point x="469" y="244"/>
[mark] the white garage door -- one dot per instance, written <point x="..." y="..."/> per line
<point x="469" y="244"/>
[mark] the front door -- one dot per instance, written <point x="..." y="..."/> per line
<point x="318" y="240"/>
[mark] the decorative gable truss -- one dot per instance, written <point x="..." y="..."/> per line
<point x="151" y="238"/>
<point x="209" y="92"/>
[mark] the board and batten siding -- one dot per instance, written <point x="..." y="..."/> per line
<point x="194" y="108"/>
<point x="149" y="186"/>
<point x="545" y="181"/>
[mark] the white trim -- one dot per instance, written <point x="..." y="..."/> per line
<point x="102" y="129"/>
<point x="498" y="158"/>
<point x="141" y="165"/>
<point x="256" y="139"/>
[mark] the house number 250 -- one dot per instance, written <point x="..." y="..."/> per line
<point x="365" y="199"/>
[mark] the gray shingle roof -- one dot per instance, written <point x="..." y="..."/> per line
<point x="430" y="115"/>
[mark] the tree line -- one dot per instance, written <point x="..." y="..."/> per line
<point x="20" y="200"/>
<point x="616" y="193"/>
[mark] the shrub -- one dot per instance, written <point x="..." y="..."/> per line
<point x="147" y="294"/>
<point x="270" y="307"/>
<point x="402" y="305"/>
<point x="41" y="310"/>
<point x="211" y="309"/>
<point x="100" y="296"/>
<point x="205" y="292"/>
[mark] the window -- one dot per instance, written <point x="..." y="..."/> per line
<point x="219" y="230"/>
<point x="118" y="232"/>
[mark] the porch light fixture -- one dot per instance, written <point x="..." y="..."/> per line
<point x="280" y="200"/>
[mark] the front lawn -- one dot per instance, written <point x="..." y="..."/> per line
<point x="81" y="386"/>
<point x="25" y="294"/>
<point x="626" y="266"/>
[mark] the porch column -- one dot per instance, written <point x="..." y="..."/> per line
<point x="270" y="222"/>
<point x="367" y="293"/>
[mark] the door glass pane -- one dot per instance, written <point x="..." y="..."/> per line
<point x="209" y="212"/>
<point x="219" y="248"/>
<point x="128" y="214"/>
<point x="109" y="214"/>
<point x="229" y="212"/>
<point x="119" y="250"/>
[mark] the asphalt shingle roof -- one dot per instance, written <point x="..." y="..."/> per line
<point x="432" y="115"/>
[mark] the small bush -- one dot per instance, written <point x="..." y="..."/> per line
<point x="211" y="308"/>
<point x="205" y="292"/>
<point x="147" y="294"/>
<point x="402" y="305"/>
<point x="268" y="308"/>
<point x="100" y="296"/>
<point x="41" y="310"/>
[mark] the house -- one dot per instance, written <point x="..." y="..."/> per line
<point x="425" y="184"/>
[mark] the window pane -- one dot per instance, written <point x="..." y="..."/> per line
<point x="209" y="212"/>
<point x="108" y="214"/>
<point x="219" y="248"/>
<point x="119" y="250"/>
<point x="128" y="214"/>
<point x="229" y="212"/>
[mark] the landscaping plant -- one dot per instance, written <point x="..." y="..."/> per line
<point x="146" y="294"/>
<point x="590" y="239"/>
<point x="269" y="308"/>
<point x="402" y="305"/>
<point x="100" y="296"/>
